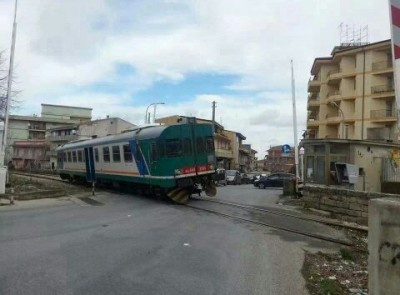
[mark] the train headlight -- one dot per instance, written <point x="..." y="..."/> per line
<point x="178" y="172"/>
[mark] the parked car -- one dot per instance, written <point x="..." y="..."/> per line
<point x="233" y="177"/>
<point x="257" y="178"/>
<point x="245" y="178"/>
<point x="274" y="180"/>
<point x="220" y="177"/>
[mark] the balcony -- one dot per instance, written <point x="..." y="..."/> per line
<point x="382" y="90"/>
<point x="334" y="94"/>
<point x="314" y="84"/>
<point x="334" y="76"/>
<point x="379" y="134"/>
<point x="62" y="138"/>
<point x="221" y="153"/>
<point x="384" y="67"/>
<point x="383" y="115"/>
<point x="313" y="100"/>
<point x="313" y="120"/>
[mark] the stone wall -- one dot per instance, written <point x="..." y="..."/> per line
<point x="348" y="205"/>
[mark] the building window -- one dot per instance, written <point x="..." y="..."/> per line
<point x="79" y="156"/>
<point x="116" y="153"/>
<point x="73" y="156"/>
<point x="209" y="144"/>
<point x="96" y="155"/>
<point x="106" y="154"/>
<point x="127" y="153"/>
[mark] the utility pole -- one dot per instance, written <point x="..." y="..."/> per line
<point x="9" y="88"/>
<point x="213" y="114"/>
<point x="296" y="152"/>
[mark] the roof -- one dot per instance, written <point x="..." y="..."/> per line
<point x="240" y="135"/>
<point x="138" y="133"/>
<point x="41" y="119"/>
<point x="349" y="141"/>
<point x="339" y="50"/>
<point x="72" y="126"/>
<point x="64" y="106"/>
<point x="200" y="119"/>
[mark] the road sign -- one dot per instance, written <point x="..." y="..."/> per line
<point x="286" y="149"/>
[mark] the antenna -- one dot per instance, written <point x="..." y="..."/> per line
<point x="351" y="36"/>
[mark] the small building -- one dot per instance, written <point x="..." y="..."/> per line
<point x="277" y="161"/>
<point x="30" y="154"/>
<point x="377" y="162"/>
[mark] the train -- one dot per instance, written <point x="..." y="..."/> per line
<point x="174" y="161"/>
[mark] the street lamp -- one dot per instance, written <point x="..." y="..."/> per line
<point x="337" y="106"/>
<point x="147" y="119"/>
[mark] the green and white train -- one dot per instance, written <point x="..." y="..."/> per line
<point x="174" y="161"/>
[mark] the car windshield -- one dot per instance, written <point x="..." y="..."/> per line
<point x="231" y="172"/>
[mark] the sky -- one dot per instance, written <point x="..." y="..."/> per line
<point x="118" y="56"/>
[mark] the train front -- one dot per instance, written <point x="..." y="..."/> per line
<point x="190" y="151"/>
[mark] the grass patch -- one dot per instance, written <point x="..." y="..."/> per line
<point x="347" y="254"/>
<point x="330" y="287"/>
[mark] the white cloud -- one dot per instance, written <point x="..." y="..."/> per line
<point x="72" y="44"/>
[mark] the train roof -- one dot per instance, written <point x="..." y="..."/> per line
<point x="140" y="133"/>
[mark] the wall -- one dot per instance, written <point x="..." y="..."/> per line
<point x="348" y="205"/>
<point x="384" y="247"/>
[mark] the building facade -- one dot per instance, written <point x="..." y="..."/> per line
<point x="277" y="161"/>
<point x="351" y="94"/>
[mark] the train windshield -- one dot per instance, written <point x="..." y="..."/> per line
<point x="173" y="147"/>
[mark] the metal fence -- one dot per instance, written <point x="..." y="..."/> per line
<point x="390" y="171"/>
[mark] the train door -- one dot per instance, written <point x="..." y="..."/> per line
<point x="137" y="153"/>
<point x="90" y="168"/>
<point x="60" y="159"/>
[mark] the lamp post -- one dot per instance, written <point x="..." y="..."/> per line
<point x="147" y="119"/>
<point x="337" y="106"/>
<point x="155" y="109"/>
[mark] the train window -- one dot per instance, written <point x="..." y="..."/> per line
<point x="73" y="156"/>
<point x="79" y="156"/>
<point x="127" y="153"/>
<point x="154" y="153"/>
<point x="173" y="147"/>
<point x="161" y="149"/>
<point x="187" y="147"/>
<point x="209" y="144"/>
<point x="69" y="157"/>
<point x="106" y="154"/>
<point x="116" y="153"/>
<point x="96" y="155"/>
<point x="199" y="145"/>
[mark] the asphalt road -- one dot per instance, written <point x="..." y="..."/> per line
<point x="136" y="245"/>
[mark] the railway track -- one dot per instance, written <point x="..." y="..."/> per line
<point x="246" y="210"/>
<point x="302" y="217"/>
<point x="245" y="215"/>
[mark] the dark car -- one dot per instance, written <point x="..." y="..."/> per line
<point x="275" y="180"/>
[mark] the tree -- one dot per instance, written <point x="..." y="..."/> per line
<point x="14" y="103"/>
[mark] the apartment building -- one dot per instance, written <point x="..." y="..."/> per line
<point x="276" y="161"/>
<point x="351" y="94"/>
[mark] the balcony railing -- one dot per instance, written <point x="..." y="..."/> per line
<point x="382" y="65"/>
<point x="332" y="115"/>
<point x="222" y="153"/>
<point x="381" y="89"/>
<point x="382" y="114"/>
<point x="313" y="117"/>
<point x="334" y="92"/>
<point x="334" y="71"/>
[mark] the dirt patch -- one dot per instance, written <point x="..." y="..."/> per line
<point x="344" y="272"/>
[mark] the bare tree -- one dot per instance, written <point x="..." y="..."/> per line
<point x="14" y="103"/>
